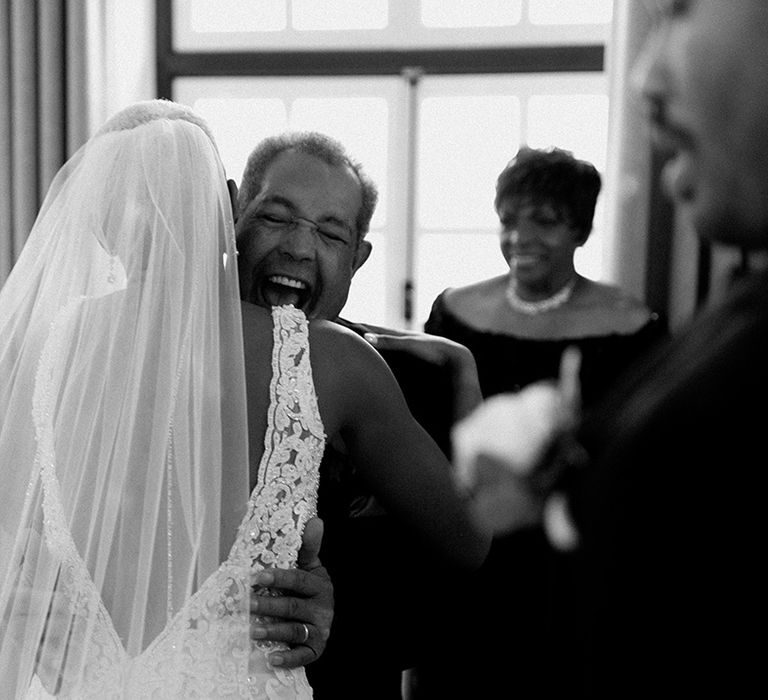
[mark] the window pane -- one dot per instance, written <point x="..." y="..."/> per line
<point x="267" y="25"/>
<point x="340" y="15"/>
<point x="570" y="11"/>
<point x="238" y="16"/>
<point x="590" y="258"/>
<point x="448" y="259"/>
<point x="463" y="144"/>
<point x="460" y="13"/>
<point x="361" y="124"/>
<point x="578" y="122"/>
<point x="368" y="301"/>
<point x="238" y="124"/>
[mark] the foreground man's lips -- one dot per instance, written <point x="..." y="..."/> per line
<point x="668" y="132"/>
<point x="678" y="145"/>
<point x="526" y="258"/>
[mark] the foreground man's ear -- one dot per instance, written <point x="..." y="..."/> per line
<point x="232" y="188"/>
<point x="364" y="249"/>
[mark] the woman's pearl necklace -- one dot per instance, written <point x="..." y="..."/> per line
<point x="532" y="308"/>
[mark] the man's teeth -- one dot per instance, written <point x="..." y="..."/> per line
<point x="287" y="282"/>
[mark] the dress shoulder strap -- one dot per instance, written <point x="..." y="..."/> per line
<point x="292" y="381"/>
<point x="285" y="495"/>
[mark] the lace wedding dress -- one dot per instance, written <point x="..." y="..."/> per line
<point x="127" y="537"/>
<point x="205" y="650"/>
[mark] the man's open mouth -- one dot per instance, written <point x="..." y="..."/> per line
<point x="279" y="290"/>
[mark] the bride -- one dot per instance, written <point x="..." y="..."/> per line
<point x="127" y="536"/>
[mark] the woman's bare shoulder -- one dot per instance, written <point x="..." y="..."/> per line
<point x="350" y="377"/>
<point x="466" y="301"/>
<point x="610" y="295"/>
<point x="343" y="350"/>
<point x="612" y="307"/>
<point x="324" y="332"/>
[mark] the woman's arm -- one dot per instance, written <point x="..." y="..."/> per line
<point x="403" y="466"/>
<point x="445" y="353"/>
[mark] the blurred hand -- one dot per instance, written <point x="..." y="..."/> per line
<point x="502" y="501"/>
<point x="303" y="614"/>
<point x="501" y="450"/>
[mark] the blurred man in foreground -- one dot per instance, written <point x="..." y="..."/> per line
<point x="658" y="501"/>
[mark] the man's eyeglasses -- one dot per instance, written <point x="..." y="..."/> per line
<point x="337" y="233"/>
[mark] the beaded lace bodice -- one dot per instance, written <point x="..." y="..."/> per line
<point x="205" y="649"/>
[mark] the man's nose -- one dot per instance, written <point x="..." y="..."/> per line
<point x="648" y="78"/>
<point x="299" y="241"/>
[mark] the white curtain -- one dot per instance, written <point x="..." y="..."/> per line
<point x="65" y="66"/>
<point x="629" y="168"/>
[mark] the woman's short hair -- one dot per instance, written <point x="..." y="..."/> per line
<point x="553" y="176"/>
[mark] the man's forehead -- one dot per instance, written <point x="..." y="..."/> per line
<point x="300" y="180"/>
<point x="305" y="170"/>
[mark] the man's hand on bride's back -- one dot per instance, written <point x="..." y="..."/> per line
<point x="303" y="614"/>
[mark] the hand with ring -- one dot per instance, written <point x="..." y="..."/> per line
<point x="302" y="615"/>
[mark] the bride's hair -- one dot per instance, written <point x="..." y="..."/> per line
<point x="151" y="110"/>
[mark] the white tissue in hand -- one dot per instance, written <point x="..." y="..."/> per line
<point x="513" y="429"/>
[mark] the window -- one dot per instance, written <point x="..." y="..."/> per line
<point x="267" y="25"/>
<point x="433" y="97"/>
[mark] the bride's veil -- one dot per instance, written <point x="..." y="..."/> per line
<point x="123" y="434"/>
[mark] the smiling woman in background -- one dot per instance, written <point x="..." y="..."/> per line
<point x="517" y="325"/>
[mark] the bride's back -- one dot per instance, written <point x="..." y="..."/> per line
<point x="362" y="407"/>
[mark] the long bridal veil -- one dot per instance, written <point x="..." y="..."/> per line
<point x="123" y="432"/>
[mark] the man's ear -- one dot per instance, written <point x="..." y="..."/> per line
<point x="232" y="188"/>
<point x="364" y="249"/>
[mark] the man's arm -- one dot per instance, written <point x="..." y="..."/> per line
<point x="304" y="612"/>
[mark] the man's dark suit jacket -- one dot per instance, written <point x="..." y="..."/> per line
<point x="671" y="510"/>
<point x="387" y="588"/>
